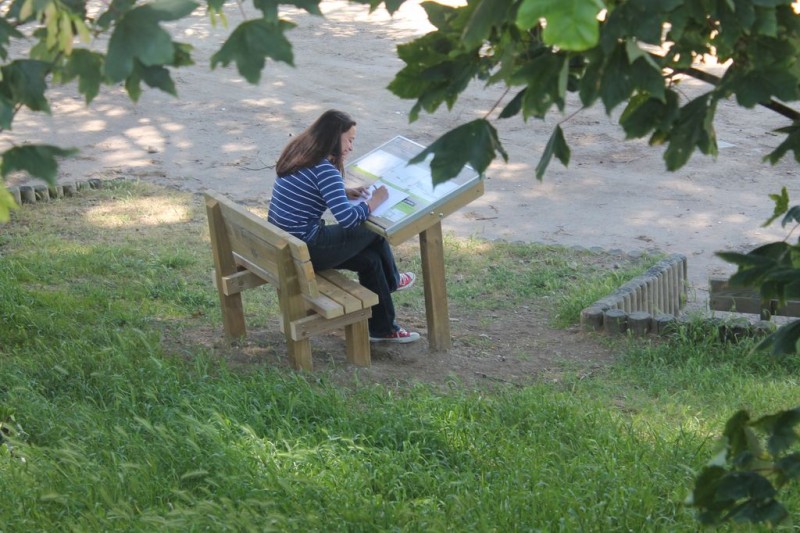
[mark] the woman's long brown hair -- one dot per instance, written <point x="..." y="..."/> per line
<point x="322" y="139"/>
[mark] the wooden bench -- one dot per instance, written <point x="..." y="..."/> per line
<point x="249" y="251"/>
<point x="723" y="297"/>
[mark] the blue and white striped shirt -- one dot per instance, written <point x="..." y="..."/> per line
<point x="300" y="199"/>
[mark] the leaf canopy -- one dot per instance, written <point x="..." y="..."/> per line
<point x="37" y="160"/>
<point x="251" y="43"/>
<point x="474" y="143"/>
<point x="571" y="24"/>
<point x="138" y="36"/>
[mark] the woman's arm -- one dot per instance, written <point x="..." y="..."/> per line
<point x="332" y="189"/>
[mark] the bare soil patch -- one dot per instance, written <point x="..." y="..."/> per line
<point x="514" y="347"/>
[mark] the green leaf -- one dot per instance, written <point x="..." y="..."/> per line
<point x="437" y="68"/>
<point x="87" y="66"/>
<point x="7" y="31"/>
<point x="38" y="160"/>
<point x="792" y="216"/>
<point x="216" y="12"/>
<point x="737" y="433"/>
<point x="133" y="84"/>
<point x="783" y="341"/>
<point x="138" y="36"/>
<point x="646" y="77"/>
<point x="474" y="143"/>
<point x="310" y="6"/>
<point x="758" y="263"/>
<point x="694" y="128"/>
<point x="791" y="142"/>
<point x="626" y="71"/>
<point x="6" y="111"/>
<point x="615" y="82"/>
<point x="157" y="77"/>
<point x="758" y="511"/>
<point x="183" y="55"/>
<point x="571" y="24"/>
<point x="781" y="206"/>
<point x="557" y="146"/>
<point x="766" y="22"/>
<point x="7" y="203"/>
<point x="788" y="468"/>
<point x="391" y="5"/>
<point x="546" y="80"/>
<point x="780" y="429"/>
<point x="514" y="106"/>
<point x="251" y="43"/>
<point x="23" y="81"/>
<point x="739" y="485"/>
<point x="589" y="83"/>
<point x="114" y="12"/>
<point x="270" y="7"/>
<point x="487" y="14"/>
<point x="642" y="21"/>
<point x="704" y="494"/>
<point x="644" y="114"/>
<point x="758" y="86"/>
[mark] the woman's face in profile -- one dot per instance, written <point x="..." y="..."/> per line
<point x="347" y="141"/>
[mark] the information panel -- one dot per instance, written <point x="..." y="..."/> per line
<point x="411" y="191"/>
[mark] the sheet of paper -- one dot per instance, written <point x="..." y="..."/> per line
<point x="395" y="197"/>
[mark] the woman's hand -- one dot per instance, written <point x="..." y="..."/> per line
<point x="354" y="193"/>
<point x="379" y="196"/>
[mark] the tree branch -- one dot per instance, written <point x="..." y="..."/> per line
<point x="772" y="104"/>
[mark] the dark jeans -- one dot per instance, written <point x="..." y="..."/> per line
<point x="368" y="254"/>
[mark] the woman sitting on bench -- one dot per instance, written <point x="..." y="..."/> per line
<point x="310" y="181"/>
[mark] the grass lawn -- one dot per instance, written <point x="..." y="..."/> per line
<point x="110" y="430"/>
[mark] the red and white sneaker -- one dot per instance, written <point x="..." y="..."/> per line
<point x="400" y="336"/>
<point x="407" y="280"/>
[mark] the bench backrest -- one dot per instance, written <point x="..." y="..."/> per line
<point x="241" y="238"/>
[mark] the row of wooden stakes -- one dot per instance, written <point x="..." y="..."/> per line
<point x="646" y="304"/>
<point x="31" y="194"/>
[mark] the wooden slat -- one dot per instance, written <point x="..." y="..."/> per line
<point x="311" y="325"/>
<point x="257" y="248"/>
<point x="432" y="256"/>
<point x="321" y="304"/>
<point x="231" y="306"/>
<point x="305" y="275"/>
<point x="245" y="219"/>
<point x="357" y="339"/>
<point x="270" y="276"/>
<point x="241" y="281"/>
<point x="293" y="307"/>
<point x="366" y="296"/>
<point x="722" y="297"/>
<point x="324" y="306"/>
<point x="792" y="308"/>
<point x="348" y="302"/>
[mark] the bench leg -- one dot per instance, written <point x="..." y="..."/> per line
<point x="232" y="316"/>
<point x="299" y="354"/>
<point x="357" y="339"/>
